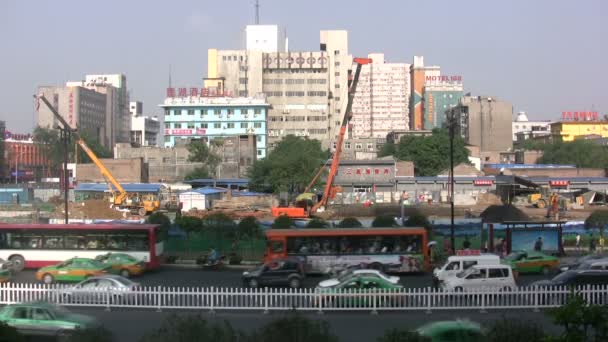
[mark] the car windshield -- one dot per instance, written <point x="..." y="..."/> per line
<point x="346" y="275"/>
<point x="514" y="256"/>
<point x="583" y="266"/>
<point x="562" y="278"/>
<point x="59" y="311"/>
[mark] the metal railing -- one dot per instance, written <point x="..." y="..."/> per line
<point x="273" y="299"/>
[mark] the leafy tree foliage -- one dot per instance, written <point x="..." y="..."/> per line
<point x="317" y="223"/>
<point x="581" y="322"/>
<point x="189" y="223"/>
<point x="349" y="222"/>
<point x="400" y="335"/>
<point x="417" y="219"/>
<point x="384" y="221"/>
<point x="10" y="334"/>
<point x="162" y="220"/>
<point x="430" y="154"/>
<point x="49" y="141"/>
<point x="188" y="328"/>
<point x="294" y="328"/>
<point x="98" y="334"/>
<point x="581" y="153"/>
<point x="289" y="167"/>
<point x="598" y="219"/>
<point x="509" y="330"/>
<point x="201" y="153"/>
<point x="282" y="222"/>
<point x="249" y="227"/>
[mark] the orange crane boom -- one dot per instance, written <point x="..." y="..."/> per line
<point x="347" y="115"/>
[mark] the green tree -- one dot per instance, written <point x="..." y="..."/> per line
<point x="429" y="154"/>
<point x="417" y="219"/>
<point x="294" y="328"/>
<point x="49" y="142"/>
<point x="597" y="220"/>
<point x="349" y="222"/>
<point x="98" y="334"/>
<point x="401" y="335"/>
<point x="188" y="328"/>
<point x="290" y="166"/>
<point x="189" y="224"/>
<point x="581" y="153"/>
<point x="282" y="222"/>
<point x="162" y="220"/>
<point x="201" y="153"/>
<point x="316" y="223"/>
<point x="509" y="330"/>
<point x="384" y="221"/>
<point x="10" y="334"/>
<point x="580" y="322"/>
<point x="249" y="227"/>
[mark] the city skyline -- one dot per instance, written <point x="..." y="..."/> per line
<point x="544" y="57"/>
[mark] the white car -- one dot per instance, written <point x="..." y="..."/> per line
<point x="480" y="277"/>
<point x="347" y="274"/>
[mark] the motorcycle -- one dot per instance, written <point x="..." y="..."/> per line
<point x="214" y="265"/>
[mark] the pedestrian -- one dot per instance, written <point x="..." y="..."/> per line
<point x="538" y="245"/>
<point x="592" y="244"/>
<point x="466" y="244"/>
<point x="578" y="241"/>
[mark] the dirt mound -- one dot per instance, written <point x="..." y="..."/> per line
<point x="488" y="199"/>
<point x="233" y="214"/>
<point x="89" y="209"/>
<point x="502" y="213"/>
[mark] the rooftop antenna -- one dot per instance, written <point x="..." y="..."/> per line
<point x="257" y="12"/>
<point x="169" y="75"/>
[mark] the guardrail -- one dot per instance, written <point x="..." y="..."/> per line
<point x="272" y="299"/>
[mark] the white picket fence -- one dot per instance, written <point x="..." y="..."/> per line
<point x="272" y="299"/>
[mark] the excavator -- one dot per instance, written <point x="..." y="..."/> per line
<point x="148" y="203"/>
<point x="306" y="199"/>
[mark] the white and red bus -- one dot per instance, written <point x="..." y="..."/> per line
<point x="399" y="250"/>
<point x="39" y="245"/>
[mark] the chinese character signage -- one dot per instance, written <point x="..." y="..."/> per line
<point x="185" y="131"/>
<point x="71" y="109"/>
<point x="580" y="116"/>
<point x="483" y="182"/>
<point x="196" y="92"/>
<point x="559" y="183"/>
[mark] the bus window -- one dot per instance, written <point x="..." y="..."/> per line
<point x="53" y="241"/>
<point x="31" y="240"/>
<point x="276" y="246"/>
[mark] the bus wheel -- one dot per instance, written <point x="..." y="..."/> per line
<point x="18" y="262"/>
<point x="125" y="273"/>
<point x="48" y="279"/>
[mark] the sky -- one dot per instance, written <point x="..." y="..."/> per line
<point x="543" y="56"/>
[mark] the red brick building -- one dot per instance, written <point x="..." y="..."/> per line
<point x="23" y="155"/>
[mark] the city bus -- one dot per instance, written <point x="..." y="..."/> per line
<point x="39" y="245"/>
<point x="397" y="250"/>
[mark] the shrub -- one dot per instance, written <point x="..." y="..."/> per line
<point x="249" y="227"/>
<point x="509" y="330"/>
<point x="349" y="222"/>
<point x="384" y="221"/>
<point x="316" y="223"/>
<point x="282" y="222"/>
<point x="417" y="219"/>
<point x="399" y="335"/>
<point x="294" y="328"/>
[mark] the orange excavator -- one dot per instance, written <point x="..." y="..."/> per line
<point x="304" y="200"/>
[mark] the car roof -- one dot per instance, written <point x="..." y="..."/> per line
<point x="474" y="257"/>
<point x="443" y="326"/>
<point x="108" y="276"/>
<point x="40" y="304"/>
<point x="492" y="266"/>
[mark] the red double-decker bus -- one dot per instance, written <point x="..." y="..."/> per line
<point x="398" y="250"/>
<point x="39" y="245"/>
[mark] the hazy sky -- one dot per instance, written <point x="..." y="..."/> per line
<point x="544" y="56"/>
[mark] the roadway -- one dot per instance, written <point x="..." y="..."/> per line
<point x="192" y="276"/>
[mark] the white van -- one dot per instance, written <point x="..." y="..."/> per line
<point x="482" y="276"/>
<point x="456" y="264"/>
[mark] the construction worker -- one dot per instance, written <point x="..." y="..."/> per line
<point x="555" y="205"/>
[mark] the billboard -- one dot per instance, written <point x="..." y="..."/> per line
<point x="526" y="239"/>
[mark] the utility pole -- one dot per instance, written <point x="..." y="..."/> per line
<point x="65" y="136"/>
<point x="257" y="12"/>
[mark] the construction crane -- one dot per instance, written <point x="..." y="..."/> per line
<point x="147" y="204"/>
<point x="299" y="212"/>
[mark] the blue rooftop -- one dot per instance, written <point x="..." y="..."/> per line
<point x="209" y="191"/>
<point x="129" y="187"/>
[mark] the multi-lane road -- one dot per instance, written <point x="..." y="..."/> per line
<point x="361" y="326"/>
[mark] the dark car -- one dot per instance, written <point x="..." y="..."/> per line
<point x="576" y="278"/>
<point x="280" y="272"/>
<point x="584" y="259"/>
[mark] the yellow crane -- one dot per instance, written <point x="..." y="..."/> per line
<point x="147" y="204"/>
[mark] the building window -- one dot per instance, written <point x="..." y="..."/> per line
<point x="336" y="52"/>
<point x="358" y="146"/>
<point x="191" y="125"/>
<point x="257" y="125"/>
<point x="370" y="146"/>
<point x="259" y="138"/>
<point x="177" y="112"/>
<point x="217" y="125"/>
<point x="242" y="93"/>
<point x="217" y="112"/>
<point x="230" y="111"/>
<point x="203" y="125"/>
<point x="224" y="58"/>
<point x="167" y="125"/>
<point x="337" y="98"/>
<point x="347" y="145"/>
<point x="230" y="125"/>
<point x="257" y="111"/>
<point x="337" y="86"/>
<point x="167" y="139"/>
<point x="337" y="64"/>
<point x="243" y="125"/>
<point x="190" y="111"/>
<point x="337" y="73"/>
<point x="243" y="80"/>
<point x="259" y="152"/>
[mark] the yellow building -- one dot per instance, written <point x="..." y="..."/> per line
<point x="570" y="130"/>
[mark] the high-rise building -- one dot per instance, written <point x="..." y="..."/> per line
<point x="264" y="38"/>
<point x="3" y="156"/>
<point x="418" y="74"/>
<point x="307" y="91"/>
<point x="527" y="129"/>
<point x="484" y="122"/>
<point x="83" y="109"/>
<point x="118" y="121"/>
<point x="145" y="130"/>
<point x="381" y="102"/>
<point x="136" y="108"/>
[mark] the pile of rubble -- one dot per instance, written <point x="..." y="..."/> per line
<point x="89" y="209"/>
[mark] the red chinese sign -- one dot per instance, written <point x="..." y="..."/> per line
<point x="580" y="116"/>
<point x="196" y="92"/>
<point x="185" y="131"/>
<point x="559" y="183"/>
<point x="71" y="109"/>
<point x="485" y="182"/>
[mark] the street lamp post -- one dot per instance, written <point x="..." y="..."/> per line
<point x="451" y="127"/>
